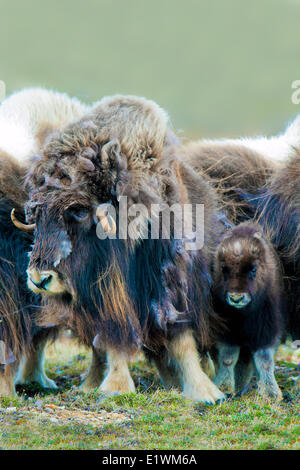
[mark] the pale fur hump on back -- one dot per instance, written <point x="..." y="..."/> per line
<point x="28" y="116"/>
<point x="141" y="127"/>
<point x="277" y="149"/>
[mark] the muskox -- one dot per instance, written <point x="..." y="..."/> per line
<point x="278" y="211"/>
<point x="233" y="169"/>
<point x="252" y="187"/>
<point x="26" y="119"/>
<point x="247" y="294"/>
<point x="267" y="194"/>
<point x="120" y="292"/>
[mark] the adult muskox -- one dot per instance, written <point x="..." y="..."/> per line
<point x="26" y="118"/>
<point x="278" y="211"/>
<point x="122" y="292"/>
<point x="232" y="169"/>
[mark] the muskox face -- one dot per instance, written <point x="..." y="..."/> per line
<point x="66" y="251"/>
<point x="239" y="268"/>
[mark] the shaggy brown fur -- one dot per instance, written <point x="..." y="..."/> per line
<point x="271" y="196"/>
<point x="27" y="119"/>
<point x="18" y="306"/>
<point x="11" y="180"/>
<point x="278" y="210"/>
<point x="231" y="168"/>
<point x="136" y="291"/>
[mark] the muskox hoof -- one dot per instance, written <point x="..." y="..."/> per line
<point x="41" y="379"/>
<point x="208" y="394"/>
<point x="46" y="382"/>
<point x="86" y="387"/>
<point x="272" y="392"/>
<point x="116" y="385"/>
<point x="225" y="383"/>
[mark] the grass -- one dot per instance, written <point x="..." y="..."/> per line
<point x="150" y="419"/>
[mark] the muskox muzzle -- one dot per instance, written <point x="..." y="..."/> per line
<point x="44" y="282"/>
<point x="238" y="299"/>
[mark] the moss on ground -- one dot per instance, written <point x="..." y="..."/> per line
<point x="150" y="419"/>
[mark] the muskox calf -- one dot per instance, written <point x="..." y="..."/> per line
<point x="248" y="295"/>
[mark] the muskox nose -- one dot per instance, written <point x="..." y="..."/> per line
<point x="44" y="281"/>
<point x="238" y="299"/>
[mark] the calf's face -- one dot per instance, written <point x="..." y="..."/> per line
<point x="239" y="269"/>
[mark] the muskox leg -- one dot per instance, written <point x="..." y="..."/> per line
<point x="196" y="385"/>
<point x="207" y="365"/>
<point x="118" y="378"/>
<point x="243" y="372"/>
<point x="96" y="371"/>
<point x="7" y="379"/>
<point x="31" y="367"/>
<point x="264" y="363"/>
<point x="168" y="370"/>
<point x="227" y="358"/>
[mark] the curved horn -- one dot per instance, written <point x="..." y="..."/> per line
<point x="20" y="225"/>
<point x="106" y="220"/>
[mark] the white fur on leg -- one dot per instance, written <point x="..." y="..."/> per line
<point x="196" y="385"/>
<point x="31" y="369"/>
<point x="118" y="378"/>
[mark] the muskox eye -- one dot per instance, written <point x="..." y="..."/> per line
<point x="225" y="271"/>
<point x="253" y="271"/>
<point x="78" y="213"/>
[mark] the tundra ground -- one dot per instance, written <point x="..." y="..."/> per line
<point x="151" y="419"/>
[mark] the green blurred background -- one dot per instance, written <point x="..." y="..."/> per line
<point x="220" y="67"/>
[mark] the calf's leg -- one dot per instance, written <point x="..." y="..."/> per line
<point x="227" y="358"/>
<point x="243" y="372"/>
<point x="264" y="363"/>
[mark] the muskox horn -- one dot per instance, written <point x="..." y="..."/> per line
<point x="106" y="220"/>
<point x="20" y="225"/>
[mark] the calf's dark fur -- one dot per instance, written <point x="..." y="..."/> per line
<point x="247" y="292"/>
